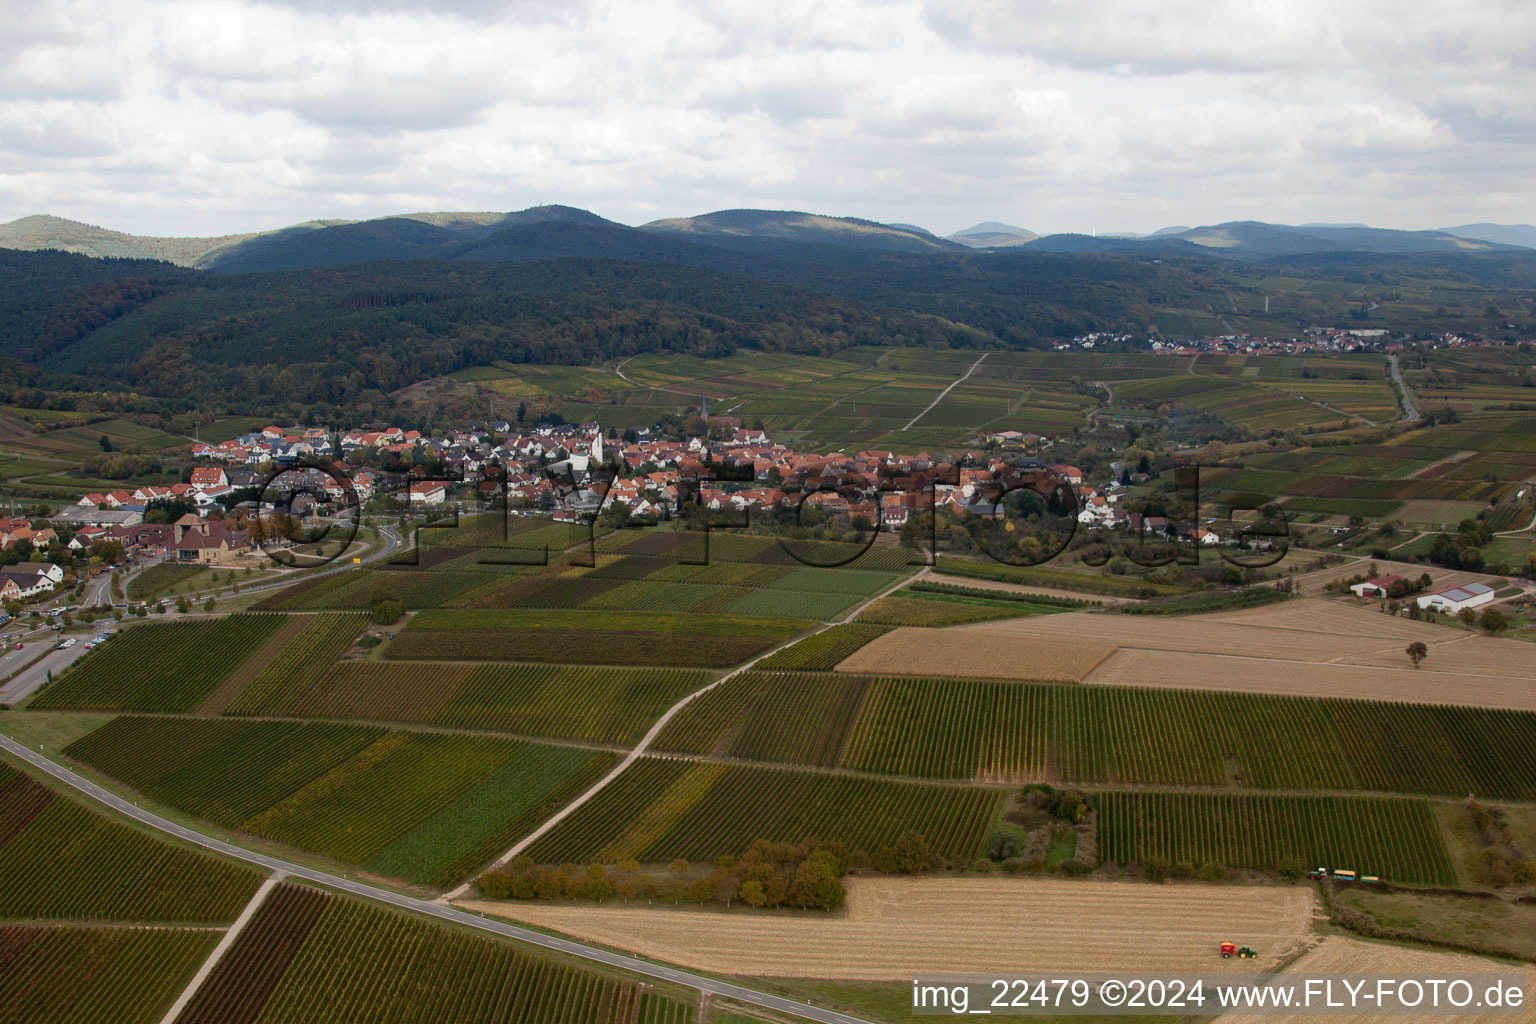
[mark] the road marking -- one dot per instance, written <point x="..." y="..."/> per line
<point x="424" y="907"/>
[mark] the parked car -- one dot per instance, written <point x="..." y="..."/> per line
<point x="18" y="645"/>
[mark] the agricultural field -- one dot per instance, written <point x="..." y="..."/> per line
<point x="912" y="607"/>
<point x="960" y="652"/>
<point x="240" y="984"/>
<point x="1398" y="840"/>
<point x="958" y="925"/>
<point x="95" y="975"/>
<point x="1056" y="579"/>
<point x="577" y="702"/>
<point x="1339" y="954"/>
<point x="647" y="571"/>
<point x="1010" y="732"/>
<point x="48" y="844"/>
<point x="148" y="583"/>
<point x="822" y="651"/>
<point x="654" y="638"/>
<point x="160" y="666"/>
<point x="661" y="809"/>
<point x="424" y="807"/>
<point x="322" y="639"/>
<point x="1300" y="647"/>
<point x="312" y="957"/>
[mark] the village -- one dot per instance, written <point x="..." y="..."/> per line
<point x="568" y="473"/>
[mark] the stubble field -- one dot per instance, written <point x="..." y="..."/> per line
<point x="895" y="927"/>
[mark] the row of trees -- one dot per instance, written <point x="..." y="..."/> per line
<point x="807" y="874"/>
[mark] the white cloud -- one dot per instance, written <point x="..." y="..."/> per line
<point x="1127" y="114"/>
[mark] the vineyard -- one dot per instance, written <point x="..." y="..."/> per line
<point x="425" y="807"/>
<point x="822" y="651"/>
<point x="242" y="981"/>
<point x="1398" y="840"/>
<point x="372" y="966"/>
<point x="973" y="729"/>
<point x="51" y="974"/>
<point x="590" y="637"/>
<point x="156" y="579"/>
<point x="300" y="664"/>
<point x="936" y="610"/>
<point x="59" y="861"/>
<point x="662" y="809"/>
<point x="580" y="702"/>
<point x="160" y="666"/>
<point x="743" y="575"/>
<point x="607" y="705"/>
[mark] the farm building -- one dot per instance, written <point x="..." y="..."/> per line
<point x="1379" y="586"/>
<point x="1453" y="599"/>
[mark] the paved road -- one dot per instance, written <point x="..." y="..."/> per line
<point x="437" y="910"/>
<point x="1410" y="411"/>
<point x="30" y="680"/>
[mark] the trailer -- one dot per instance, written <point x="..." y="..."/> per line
<point x="1341" y="875"/>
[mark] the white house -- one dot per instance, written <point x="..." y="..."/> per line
<point x="427" y="493"/>
<point x="48" y="569"/>
<point x="1453" y="599"/>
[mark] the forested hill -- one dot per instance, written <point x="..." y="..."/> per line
<point x="340" y="336"/>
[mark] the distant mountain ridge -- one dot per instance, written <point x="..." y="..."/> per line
<point x="1523" y="235"/>
<point x="724" y="226"/>
<point x="1257" y="240"/>
<point x="991" y="234"/>
<point x="733" y="240"/>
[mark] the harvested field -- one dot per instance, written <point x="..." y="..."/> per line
<point x="966" y="652"/>
<point x="1237" y="674"/>
<point x="896" y="927"/>
<point x="1306" y="648"/>
<point x="1293" y="631"/>
<point x="1340" y="955"/>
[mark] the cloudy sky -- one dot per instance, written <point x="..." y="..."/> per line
<point x="194" y="118"/>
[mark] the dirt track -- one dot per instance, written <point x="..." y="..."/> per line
<point x="1339" y="955"/>
<point x="895" y="927"/>
<point x="1019" y="588"/>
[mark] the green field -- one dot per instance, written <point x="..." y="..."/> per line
<point x="923" y="608"/>
<point x="159" y="666"/>
<point x="145" y="584"/>
<point x="425" y="807"/>
<point x="663" y="809"/>
<point x="1102" y="735"/>
<point x="822" y="651"/>
<point x="298" y="666"/>
<point x="61" y="861"/>
<point x="652" y="638"/>
<point x="1397" y="840"/>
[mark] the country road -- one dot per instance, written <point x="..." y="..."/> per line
<point x="31" y="679"/>
<point x="423" y="907"/>
<point x="656" y="727"/>
<point x="1410" y="411"/>
<point x="946" y="391"/>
